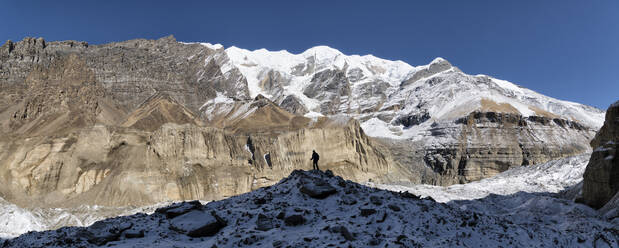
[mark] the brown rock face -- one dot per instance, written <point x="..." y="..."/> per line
<point x="129" y="72"/>
<point x="119" y="166"/>
<point x="126" y="124"/>
<point x="601" y="178"/>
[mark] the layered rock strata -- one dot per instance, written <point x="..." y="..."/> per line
<point x="127" y="124"/>
<point x="117" y="166"/>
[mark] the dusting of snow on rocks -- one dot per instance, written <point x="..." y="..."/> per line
<point x="319" y="209"/>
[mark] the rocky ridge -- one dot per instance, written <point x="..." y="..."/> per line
<point x="320" y="209"/>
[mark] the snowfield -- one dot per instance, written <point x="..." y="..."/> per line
<point x="551" y="177"/>
<point x="517" y="208"/>
<point x="15" y="221"/>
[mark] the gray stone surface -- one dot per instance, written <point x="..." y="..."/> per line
<point x="332" y="87"/>
<point x="601" y="178"/>
<point x="293" y="105"/>
<point x="317" y="189"/>
<point x="197" y="223"/>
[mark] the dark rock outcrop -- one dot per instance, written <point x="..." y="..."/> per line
<point x="309" y="222"/>
<point x="412" y="120"/>
<point x="601" y="178"/>
<point x="332" y="87"/>
<point x="293" y="105"/>
<point x="317" y="189"/>
<point x="294" y="220"/>
<point x="198" y="223"/>
<point x="264" y="223"/>
<point x="179" y="208"/>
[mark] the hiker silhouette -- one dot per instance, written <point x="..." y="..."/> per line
<point x="315" y="158"/>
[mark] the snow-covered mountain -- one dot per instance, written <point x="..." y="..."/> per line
<point x="455" y="123"/>
<point x="321" y="210"/>
<point x="327" y="81"/>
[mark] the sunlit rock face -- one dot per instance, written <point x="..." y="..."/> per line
<point x="143" y="121"/>
<point x="142" y="165"/>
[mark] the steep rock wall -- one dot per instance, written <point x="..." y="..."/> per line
<point x="601" y="178"/>
<point x="129" y="71"/>
<point x="484" y="144"/>
<point x="117" y="166"/>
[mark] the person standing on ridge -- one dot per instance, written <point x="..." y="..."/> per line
<point x="315" y="158"/>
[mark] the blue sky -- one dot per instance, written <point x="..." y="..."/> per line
<point x="564" y="49"/>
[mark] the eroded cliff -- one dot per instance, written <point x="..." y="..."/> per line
<point x="117" y="166"/>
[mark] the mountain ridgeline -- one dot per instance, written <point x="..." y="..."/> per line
<point x="144" y="121"/>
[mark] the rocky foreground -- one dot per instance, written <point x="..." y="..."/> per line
<point x="318" y="209"/>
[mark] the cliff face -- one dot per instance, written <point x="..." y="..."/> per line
<point x="484" y="144"/>
<point x="129" y="72"/>
<point x="125" y="123"/>
<point x="119" y="166"/>
<point x="601" y="178"/>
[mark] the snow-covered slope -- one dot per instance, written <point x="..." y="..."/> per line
<point x="15" y="220"/>
<point x="321" y="210"/>
<point x="297" y="70"/>
<point x="552" y="177"/>
<point x="386" y="89"/>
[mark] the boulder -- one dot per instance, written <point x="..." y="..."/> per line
<point x="102" y="232"/>
<point x="348" y="200"/>
<point x="134" y="233"/>
<point x="294" y="220"/>
<point x="264" y="223"/>
<point x="601" y="178"/>
<point x="367" y="212"/>
<point x="317" y="189"/>
<point x="376" y="200"/>
<point x="198" y="223"/>
<point x="179" y="208"/>
<point x="394" y="207"/>
<point x="343" y="231"/>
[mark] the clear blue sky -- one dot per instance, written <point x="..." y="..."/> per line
<point x="565" y="49"/>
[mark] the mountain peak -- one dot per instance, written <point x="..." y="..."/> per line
<point x="439" y="61"/>
<point x="169" y="38"/>
<point x="216" y="46"/>
<point x="322" y="51"/>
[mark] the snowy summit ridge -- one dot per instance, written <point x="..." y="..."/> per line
<point x="371" y="87"/>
